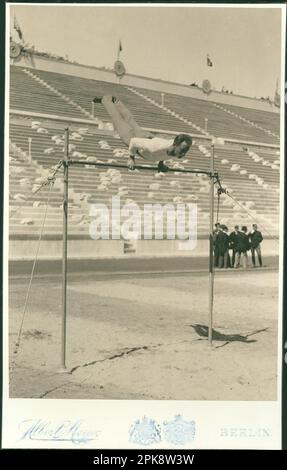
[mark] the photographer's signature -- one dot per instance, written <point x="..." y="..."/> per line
<point x="63" y="431"/>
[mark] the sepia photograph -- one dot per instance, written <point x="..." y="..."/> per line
<point x="144" y="174"/>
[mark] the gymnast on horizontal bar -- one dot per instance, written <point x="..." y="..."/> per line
<point x="140" y="142"/>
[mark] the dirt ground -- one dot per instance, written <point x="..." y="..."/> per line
<point x="144" y="337"/>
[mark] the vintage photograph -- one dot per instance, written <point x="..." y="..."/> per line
<point x="145" y="169"/>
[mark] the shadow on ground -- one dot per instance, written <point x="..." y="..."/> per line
<point x="202" y="331"/>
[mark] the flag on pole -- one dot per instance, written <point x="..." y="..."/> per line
<point x="209" y="63"/>
<point x="17" y="28"/>
<point x="120" y="48"/>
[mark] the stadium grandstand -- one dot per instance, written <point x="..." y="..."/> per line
<point x="48" y="94"/>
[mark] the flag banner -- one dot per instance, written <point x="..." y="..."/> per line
<point x="209" y="62"/>
<point x="17" y="28"/>
<point x="120" y="48"/>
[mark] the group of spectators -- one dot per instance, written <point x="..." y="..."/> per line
<point x="268" y="99"/>
<point x="224" y="90"/>
<point x="240" y="242"/>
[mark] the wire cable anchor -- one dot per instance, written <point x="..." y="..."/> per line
<point x="51" y="178"/>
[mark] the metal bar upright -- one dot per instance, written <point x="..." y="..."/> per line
<point x="211" y="260"/>
<point x="65" y="245"/>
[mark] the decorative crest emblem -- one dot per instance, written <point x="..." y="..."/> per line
<point x="179" y="431"/>
<point x="119" y="68"/>
<point x="206" y="86"/>
<point x="145" y="432"/>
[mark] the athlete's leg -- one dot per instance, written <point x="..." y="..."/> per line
<point x="128" y="117"/>
<point x="121" y="126"/>
<point x="123" y="120"/>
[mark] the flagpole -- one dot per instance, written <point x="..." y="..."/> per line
<point x="120" y="48"/>
<point x="118" y="57"/>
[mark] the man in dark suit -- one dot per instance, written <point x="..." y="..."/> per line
<point x="222" y="245"/>
<point x="215" y="246"/>
<point x="242" y="247"/>
<point x="255" y="238"/>
<point x="233" y="243"/>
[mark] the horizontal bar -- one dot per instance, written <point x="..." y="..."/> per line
<point x="137" y="167"/>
